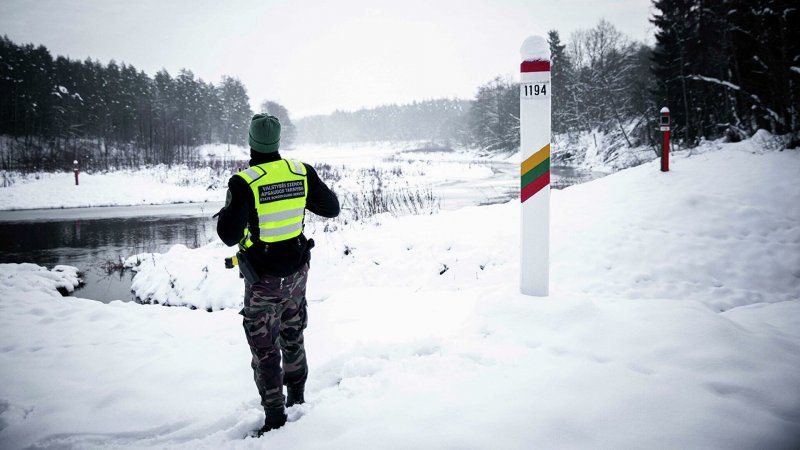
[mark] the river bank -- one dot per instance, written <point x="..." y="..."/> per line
<point x="674" y="300"/>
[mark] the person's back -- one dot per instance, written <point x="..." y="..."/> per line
<point x="264" y="214"/>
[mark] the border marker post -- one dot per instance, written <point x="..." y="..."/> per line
<point x="665" y="139"/>
<point x="535" y="126"/>
<point x="75" y="164"/>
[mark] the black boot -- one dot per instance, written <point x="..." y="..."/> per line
<point x="294" y="395"/>
<point x="275" y="418"/>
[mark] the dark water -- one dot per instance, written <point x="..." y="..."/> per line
<point x="94" y="246"/>
<point x="565" y="176"/>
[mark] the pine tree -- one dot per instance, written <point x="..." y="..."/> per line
<point x="675" y="41"/>
<point x="562" y="74"/>
<point x="236" y="112"/>
<point x="288" y="129"/>
<point x="729" y="66"/>
<point x="494" y="116"/>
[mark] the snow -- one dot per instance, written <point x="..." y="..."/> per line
<point x="744" y="236"/>
<point x="535" y="48"/>
<point x="673" y="322"/>
<point x="30" y="278"/>
<point x="159" y="185"/>
<point x="393" y="168"/>
<point x="599" y="151"/>
<point x="222" y="151"/>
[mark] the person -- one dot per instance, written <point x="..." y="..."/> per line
<point x="264" y="214"/>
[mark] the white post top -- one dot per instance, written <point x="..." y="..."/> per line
<point x="75" y="162"/>
<point x="535" y="48"/>
<point x="665" y="110"/>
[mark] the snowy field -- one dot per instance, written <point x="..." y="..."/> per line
<point x="673" y="322"/>
<point x="153" y="186"/>
<point x="457" y="178"/>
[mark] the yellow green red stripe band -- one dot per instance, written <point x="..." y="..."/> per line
<point x="535" y="173"/>
<point x="535" y="159"/>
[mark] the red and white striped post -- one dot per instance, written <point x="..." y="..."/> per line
<point x="75" y="164"/>
<point x="665" y="143"/>
<point x="534" y="125"/>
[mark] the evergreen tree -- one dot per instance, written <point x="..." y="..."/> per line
<point x="562" y="74"/>
<point x="61" y="109"/>
<point x="729" y="66"/>
<point x="441" y="120"/>
<point x="494" y="116"/>
<point x="235" y="111"/>
<point x="288" y="129"/>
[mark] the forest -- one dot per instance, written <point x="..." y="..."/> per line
<point x="54" y="110"/>
<point x="725" y="69"/>
<point x="728" y="68"/>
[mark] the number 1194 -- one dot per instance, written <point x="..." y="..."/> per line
<point x="534" y="90"/>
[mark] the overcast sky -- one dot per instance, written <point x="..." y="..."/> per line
<point x="316" y="56"/>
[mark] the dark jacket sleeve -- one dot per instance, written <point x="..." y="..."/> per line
<point x="321" y="200"/>
<point x="232" y="218"/>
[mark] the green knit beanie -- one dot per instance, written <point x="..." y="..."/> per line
<point x="265" y="133"/>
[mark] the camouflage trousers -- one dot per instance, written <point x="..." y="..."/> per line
<point x="275" y="315"/>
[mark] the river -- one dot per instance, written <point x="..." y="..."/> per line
<point x="95" y="239"/>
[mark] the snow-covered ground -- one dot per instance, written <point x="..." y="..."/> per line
<point x="673" y="322"/>
<point x="605" y="151"/>
<point x="152" y="186"/>
<point x="458" y="178"/>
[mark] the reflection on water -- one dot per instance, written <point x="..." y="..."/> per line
<point x="90" y="244"/>
<point x="565" y="176"/>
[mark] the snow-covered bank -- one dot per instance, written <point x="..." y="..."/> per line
<point x="418" y="337"/>
<point x="153" y="186"/>
<point x="722" y="228"/>
<point x="30" y="278"/>
<point x="599" y="151"/>
<point x="382" y="168"/>
<point x="483" y="368"/>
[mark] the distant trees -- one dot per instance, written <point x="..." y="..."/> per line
<point x="601" y="80"/>
<point x="562" y="73"/>
<point x="494" y="116"/>
<point x="288" y="129"/>
<point x="723" y="68"/>
<point x="235" y="112"/>
<point x="728" y="67"/>
<point x="440" y="120"/>
<point x="606" y="80"/>
<point x="59" y="109"/>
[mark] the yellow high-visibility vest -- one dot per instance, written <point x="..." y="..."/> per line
<point x="280" y="190"/>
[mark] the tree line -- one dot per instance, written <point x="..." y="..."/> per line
<point x="724" y="68"/>
<point x="601" y="81"/>
<point x="59" y="109"/>
<point x="729" y="67"/>
<point x="435" y="120"/>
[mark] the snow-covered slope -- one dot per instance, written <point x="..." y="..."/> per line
<point x="152" y="186"/>
<point x="721" y="228"/>
<point x="673" y="322"/>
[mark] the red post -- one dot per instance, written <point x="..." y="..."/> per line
<point x="76" y="171"/>
<point x="665" y="143"/>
